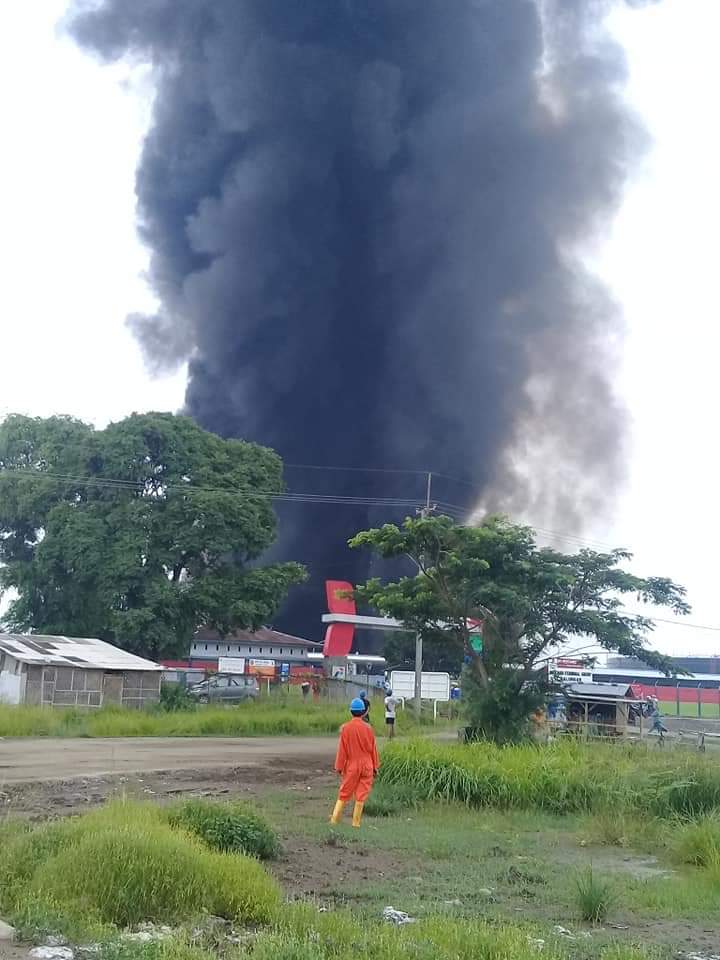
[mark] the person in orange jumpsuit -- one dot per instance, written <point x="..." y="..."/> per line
<point x="357" y="762"/>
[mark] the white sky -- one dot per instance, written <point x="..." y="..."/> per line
<point x="73" y="269"/>
<point x="71" y="263"/>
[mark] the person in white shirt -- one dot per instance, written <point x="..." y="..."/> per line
<point x="390" y="708"/>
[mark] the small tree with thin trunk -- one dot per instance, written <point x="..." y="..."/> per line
<point x="527" y="600"/>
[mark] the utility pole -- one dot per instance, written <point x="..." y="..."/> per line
<point x="424" y="512"/>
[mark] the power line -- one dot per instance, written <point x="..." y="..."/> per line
<point x="395" y="470"/>
<point x="289" y="496"/>
<point x="455" y="511"/>
<point x="672" y="623"/>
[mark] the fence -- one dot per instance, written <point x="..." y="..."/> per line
<point x="682" y="697"/>
<point x="322" y="687"/>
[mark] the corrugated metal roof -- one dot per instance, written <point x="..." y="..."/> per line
<point x="71" y="652"/>
<point x="265" y="635"/>
<point x="652" y="674"/>
<point x="619" y="690"/>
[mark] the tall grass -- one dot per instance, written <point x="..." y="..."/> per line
<point x="124" y="864"/>
<point x="561" y="778"/>
<point x="594" y="895"/>
<point x="264" y="718"/>
<point x="698" y="841"/>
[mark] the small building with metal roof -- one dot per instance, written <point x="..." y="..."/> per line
<point x="74" y="672"/>
<point x="601" y="708"/>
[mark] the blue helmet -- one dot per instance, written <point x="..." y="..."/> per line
<point x="357" y="705"/>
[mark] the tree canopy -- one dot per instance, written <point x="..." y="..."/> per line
<point x="528" y="600"/>
<point x="138" y="533"/>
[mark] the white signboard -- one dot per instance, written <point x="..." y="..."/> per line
<point x="231" y="664"/>
<point x="563" y="673"/>
<point x="433" y="686"/>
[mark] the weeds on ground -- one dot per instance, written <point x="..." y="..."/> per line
<point x="390" y="799"/>
<point x="228" y="827"/>
<point x="303" y="934"/>
<point x="697" y="841"/>
<point x="595" y="896"/>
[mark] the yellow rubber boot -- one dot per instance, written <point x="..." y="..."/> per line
<point x="357" y="813"/>
<point x="337" y="812"/>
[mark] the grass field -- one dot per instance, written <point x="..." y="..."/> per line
<point x="490" y="886"/>
<point x="708" y="711"/>
<point x="253" y="719"/>
<point x="517" y="871"/>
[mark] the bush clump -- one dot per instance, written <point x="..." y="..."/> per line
<point x="227" y="827"/>
<point x="125" y="864"/>
<point x="174" y="697"/>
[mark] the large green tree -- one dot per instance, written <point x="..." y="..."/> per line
<point x="530" y="601"/>
<point x="138" y="533"/>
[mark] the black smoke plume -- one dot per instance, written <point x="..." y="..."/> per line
<point x="366" y="220"/>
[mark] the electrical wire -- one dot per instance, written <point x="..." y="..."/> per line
<point x="456" y="511"/>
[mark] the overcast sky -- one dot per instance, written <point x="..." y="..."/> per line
<point x="73" y="270"/>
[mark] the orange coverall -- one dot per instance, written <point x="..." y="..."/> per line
<point x="357" y="760"/>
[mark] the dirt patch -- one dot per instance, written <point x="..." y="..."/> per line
<point x="41" y="800"/>
<point x="321" y="868"/>
<point x="13" y="951"/>
<point x="686" y="936"/>
<point x="612" y="860"/>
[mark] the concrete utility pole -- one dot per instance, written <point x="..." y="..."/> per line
<point x="424" y="512"/>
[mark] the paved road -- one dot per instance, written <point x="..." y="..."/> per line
<point x="24" y="760"/>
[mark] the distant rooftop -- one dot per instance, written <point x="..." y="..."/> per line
<point x="71" y="652"/>
<point x="265" y="635"/>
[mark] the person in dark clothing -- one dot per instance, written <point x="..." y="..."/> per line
<point x="364" y="698"/>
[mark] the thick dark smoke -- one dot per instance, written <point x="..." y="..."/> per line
<point x="365" y="219"/>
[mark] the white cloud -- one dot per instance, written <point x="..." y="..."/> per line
<point x="72" y="265"/>
<point x="661" y="262"/>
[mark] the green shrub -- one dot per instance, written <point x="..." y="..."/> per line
<point x="227" y="827"/>
<point x="595" y="896"/>
<point x="174" y="696"/>
<point x="123" y="864"/>
<point x="132" y="874"/>
<point x="698" y="841"/>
